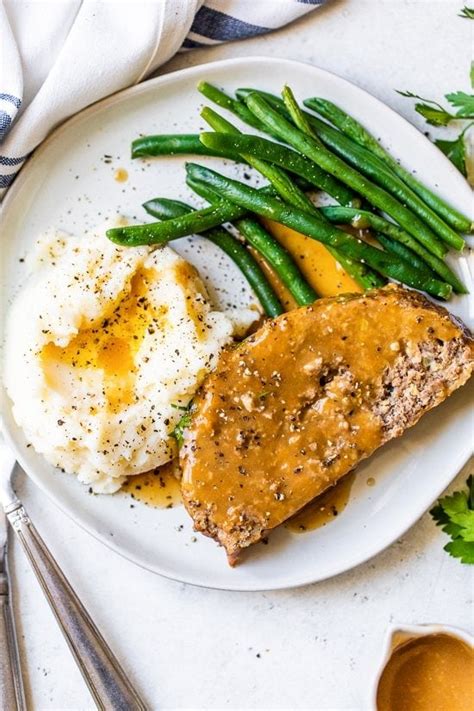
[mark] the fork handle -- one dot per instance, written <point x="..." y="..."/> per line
<point x="102" y="673"/>
<point x="11" y="684"/>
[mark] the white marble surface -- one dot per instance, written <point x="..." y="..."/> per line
<point x="312" y="648"/>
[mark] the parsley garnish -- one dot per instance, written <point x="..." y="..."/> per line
<point x="467" y="12"/>
<point x="184" y="422"/>
<point x="431" y="111"/>
<point x="463" y="102"/>
<point x="436" y="115"/>
<point x="455" y="150"/>
<point x="455" y="514"/>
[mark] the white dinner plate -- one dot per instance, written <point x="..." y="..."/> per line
<point x="70" y="184"/>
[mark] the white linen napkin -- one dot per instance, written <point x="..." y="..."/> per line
<point x="59" y="57"/>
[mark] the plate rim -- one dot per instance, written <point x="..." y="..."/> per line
<point x="142" y="88"/>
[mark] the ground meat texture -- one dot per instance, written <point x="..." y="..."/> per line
<point x="303" y="400"/>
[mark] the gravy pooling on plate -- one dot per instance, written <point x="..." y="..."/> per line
<point x="159" y="488"/>
<point x="324" y="509"/>
<point x="317" y="265"/>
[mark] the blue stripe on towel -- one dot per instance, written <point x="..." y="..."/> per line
<point x="311" y="2"/>
<point x="218" y="26"/>
<point x="5" y="160"/>
<point x="5" y="123"/>
<point x="12" y="99"/>
<point x="192" y="44"/>
<point x="7" y="180"/>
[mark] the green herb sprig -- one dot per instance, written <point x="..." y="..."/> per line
<point x="181" y="426"/>
<point x="436" y="115"/>
<point x="455" y="150"/>
<point x="455" y="515"/>
<point x="467" y="13"/>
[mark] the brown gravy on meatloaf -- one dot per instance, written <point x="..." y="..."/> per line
<point x="275" y="427"/>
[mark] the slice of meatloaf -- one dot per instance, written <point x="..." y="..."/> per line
<point x="303" y="400"/>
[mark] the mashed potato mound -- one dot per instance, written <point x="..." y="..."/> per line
<point x="105" y="346"/>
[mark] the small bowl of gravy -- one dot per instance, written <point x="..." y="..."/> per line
<point x="426" y="668"/>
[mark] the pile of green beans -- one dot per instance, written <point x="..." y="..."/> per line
<point x="311" y="226"/>
<point x="412" y="227"/>
<point x="279" y="154"/>
<point x="441" y="217"/>
<point x="316" y="151"/>
<point x="289" y="191"/>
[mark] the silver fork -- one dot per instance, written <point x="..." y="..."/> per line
<point x="107" y="682"/>
<point x="11" y="683"/>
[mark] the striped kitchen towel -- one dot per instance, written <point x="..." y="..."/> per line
<point x="59" y="57"/>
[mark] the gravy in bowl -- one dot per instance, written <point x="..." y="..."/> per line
<point x="429" y="673"/>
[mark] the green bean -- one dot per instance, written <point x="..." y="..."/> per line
<point x="286" y="158"/>
<point x="273" y="252"/>
<point x="404" y="253"/>
<point x="175" y="144"/>
<point x="162" y="232"/>
<point x="211" y="196"/>
<point x="166" y="209"/>
<point x="379" y="197"/>
<point x="362" y="218"/>
<point x="278" y="258"/>
<point x="360" y="135"/>
<point x="307" y="224"/>
<point x="227" y="102"/>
